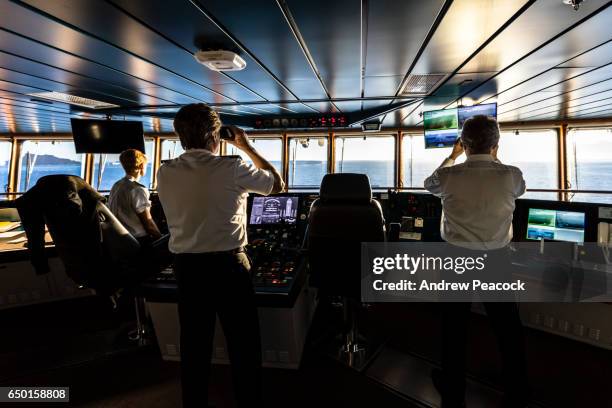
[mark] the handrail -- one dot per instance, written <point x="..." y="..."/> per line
<point x="533" y="190"/>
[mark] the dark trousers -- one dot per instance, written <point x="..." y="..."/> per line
<point x="505" y="319"/>
<point x="210" y="285"/>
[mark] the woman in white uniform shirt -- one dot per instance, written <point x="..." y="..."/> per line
<point x="129" y="200"/>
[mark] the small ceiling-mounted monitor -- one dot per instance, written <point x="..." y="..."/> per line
<point x="107" y="136"/>
<point x="440" y="128"/>
<point x="466" y="112"/>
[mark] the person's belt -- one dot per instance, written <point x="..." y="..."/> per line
<point x="234" y="251"/>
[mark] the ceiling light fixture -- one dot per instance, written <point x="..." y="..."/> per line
<point x="72" y="100"/>
<point x="220" y="60"/>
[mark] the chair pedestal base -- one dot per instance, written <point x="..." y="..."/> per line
<point x="350" y="348"/>
<point x="142" y="333"/>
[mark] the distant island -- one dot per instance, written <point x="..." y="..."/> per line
<point x="50" y="160"/>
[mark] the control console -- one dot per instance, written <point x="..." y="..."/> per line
<point x="275" y="242"/>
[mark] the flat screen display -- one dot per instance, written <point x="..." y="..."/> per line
<point x="440" y="128"/>
<point x="274" y="210"/>
<point x="554" y="225"/>
<point x="107" y="136"/>
<point x="466" y="112"/>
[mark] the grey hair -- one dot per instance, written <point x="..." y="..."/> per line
<point x="480" y="134"/>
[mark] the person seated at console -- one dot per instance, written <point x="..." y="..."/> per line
<point x="129" y="200"/>
<point x="478" y="201"/>
<point x="204" y="197"/>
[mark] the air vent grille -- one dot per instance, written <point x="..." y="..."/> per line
<point x="421" y="85"/>
<point x="73" y="100"/>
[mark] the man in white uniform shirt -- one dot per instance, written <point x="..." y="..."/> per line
<point x="204" y="199"/>
<point x="478" y="200"/>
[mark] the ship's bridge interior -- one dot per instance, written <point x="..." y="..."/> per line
<point x="374" y="87"/>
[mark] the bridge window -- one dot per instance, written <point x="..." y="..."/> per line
<point x="112" y="170"/>
<point x="418" y="163"/>
<point x="535" y="153"/>
<point x="42" y="158"/>
<point x="5" y="164"/>
<point x="307" y="161"/>
<point x="373" y="155"/>
<point x="270" y="148"/>
<point x="171" y="149"/>
<point x="589" y="163"/>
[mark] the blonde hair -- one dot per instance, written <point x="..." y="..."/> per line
<point x="132" y="159"/>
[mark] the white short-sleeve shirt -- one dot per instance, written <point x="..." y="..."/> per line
<point x="127" y="199"/>
<point x="204" y="199"/>
<point x="477" y="200"/>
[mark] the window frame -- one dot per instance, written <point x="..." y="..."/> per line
<point x="276" y="136"/>
<point x="8" y="189"/>
<point x="570" y="190"/>
<point x="329" y="140"/>
<point x="382" y="134"/>
<point x="17" y="157"/>
<point x="562" y="130"/>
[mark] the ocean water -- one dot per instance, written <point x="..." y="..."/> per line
<point x="307" y="173"/>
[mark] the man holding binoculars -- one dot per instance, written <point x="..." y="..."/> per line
<point x="204" y="198"/>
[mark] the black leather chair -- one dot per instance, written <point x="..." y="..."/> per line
<point x="97" y="251"/>
<point x="344" y="216"/>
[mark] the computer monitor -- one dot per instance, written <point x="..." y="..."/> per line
<point x="440" y="128"/>
<point x="555" y="225"/>
<point x="274" y="210"/>
<point x="466" y="112"/>
<point x="107" y="136"/>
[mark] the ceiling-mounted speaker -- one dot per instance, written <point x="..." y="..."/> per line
<point x="220" y="60"/>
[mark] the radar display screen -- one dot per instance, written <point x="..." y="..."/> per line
<point x="274" y="210"/>
<point x="555" y="225"/>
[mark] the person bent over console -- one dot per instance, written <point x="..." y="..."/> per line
<point x="204" y="197"/>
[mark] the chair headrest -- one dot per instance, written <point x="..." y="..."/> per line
<point x="346" y="187"/>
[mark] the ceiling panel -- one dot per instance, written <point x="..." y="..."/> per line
<point x="599" y="55"/>
<point x="563" y="110"/>
<point x="594" y="77"/>
<point x="34" y="25"/>
<point x="555" y="80"/>
<point x="62" y="60"/>
<point x="516" y="80"/>
<point x="543" y="20"/>
<point x="584" y="100"/>
<point x="466" y="26"/>
<point x="395" y="32"/>
<point x="333" y="41"/>
<point x="532" y="58"/>
<point x="23" y="101"/>
<point x="533" y="29"/>
<point x="268" y="36"/>
<point x="75" y="81"/>
<point x="458" y="84"/>
<point x="197" y="32"/>
<point x="594" y="115"/>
